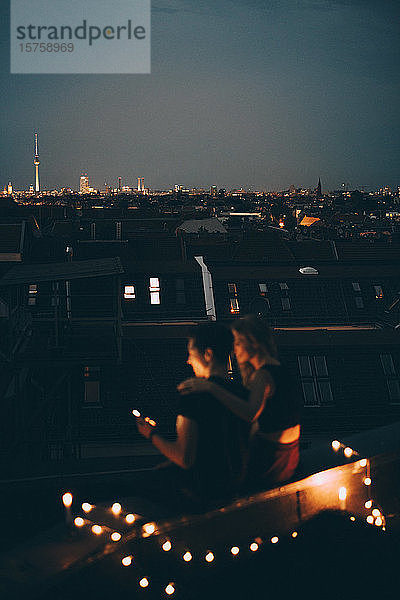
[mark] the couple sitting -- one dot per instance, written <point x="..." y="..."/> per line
<point x="229" y="438"/>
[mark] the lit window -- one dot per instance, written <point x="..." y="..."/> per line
<point x="262" y="289"/>
<point x="356" y="286"/>
<point x="284" y="286"/>
<point x="378" y="291"/>
<point x="234" y="305"/>
<point x="286" y="304"/>
<point x="232" y="289"/>
<point x="32" y="294"/>
<point x="154" y="290"/>
<point x="233" y="300"/>
<point x="129" y="292"/>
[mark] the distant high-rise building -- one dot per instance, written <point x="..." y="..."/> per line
<point x="84" y="184"/>
<point x="36" y="162"/>
<point x="9" y="188"/>
<point x="213" y="191"/>
<point x="140" y="184"/>
<point x="119" y="184"/>
<point x="319" y="189"/>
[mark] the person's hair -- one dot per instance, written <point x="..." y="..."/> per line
<point x="215" y="336"/>
<point x="259" y="339"/>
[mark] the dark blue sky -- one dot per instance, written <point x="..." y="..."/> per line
<point x="259" y="94"/>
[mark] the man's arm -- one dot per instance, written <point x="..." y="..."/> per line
<point x="261" y="388"/>
<point x="182" y="451"/>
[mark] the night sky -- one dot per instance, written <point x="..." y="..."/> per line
<point x="258" y="94"/>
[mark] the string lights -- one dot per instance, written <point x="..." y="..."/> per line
<point x="375" y="517"/>
<point x="369" y="512"/>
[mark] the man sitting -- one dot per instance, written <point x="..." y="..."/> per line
<point x="211" y="447"/>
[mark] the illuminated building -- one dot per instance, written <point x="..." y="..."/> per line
<point x="84" y="184"/>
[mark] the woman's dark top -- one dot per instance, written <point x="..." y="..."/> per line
<point x="271" y="462"/>
<point x="283" y="409"/>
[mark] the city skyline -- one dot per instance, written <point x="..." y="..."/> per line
<point x="259" y="95"/>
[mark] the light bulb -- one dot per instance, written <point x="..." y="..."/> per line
<point x="144" y="582"/>
<point x="368" y="504"/>
<point x="235" y="550"/>
<point x="97" y="529"/>
<point x="79" y="522"/>
<point x="170" y="589"/>
<point x="167" y="546"/>
<point x="335" y="445"/>
<point x="348" y="452"/>
<point x="116" y="508"/>
<point x="370" y="519"/>
<point x="342" y="493"/>
<point x="274" y="539"/>
<point x="86" y="507"/>
<point x="149" y="528"/>
<point x="187" y="557"/>
<point x="209" y="557"/>
<point x="363" y="462"/>
<point x="130" y="518"/>
<point x="115" y="536"/>
<point x="67" y="499"/>
<point x="367" y="481"/>
<point x="254" y="547"/>
<point x="127" y="561"/>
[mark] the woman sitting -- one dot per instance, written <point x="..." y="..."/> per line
<point x="273" y="407"/>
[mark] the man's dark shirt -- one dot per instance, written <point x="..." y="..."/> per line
<point x="222" y="444"/>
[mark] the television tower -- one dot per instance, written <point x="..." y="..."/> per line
<point x="36" y="162"/>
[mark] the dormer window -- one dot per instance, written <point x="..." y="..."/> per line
<point x="32" y="294"/>
<point x="262" y="288"/>
<point x="129" y="292"/>
<point x="154" y="290"/>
